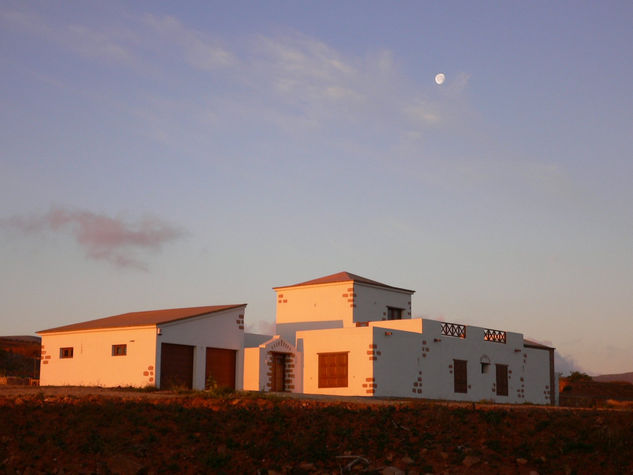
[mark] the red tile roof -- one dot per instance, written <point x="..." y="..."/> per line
<point x="343" y="277"/>
<point x="135" y="319"/>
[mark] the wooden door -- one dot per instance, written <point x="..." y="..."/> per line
<point x="220" y="368"/>
<point x="502" y="380"/>
<point x="279" y="372"/>
<point x="460" y="372"/>
<point x="176" y="366"/>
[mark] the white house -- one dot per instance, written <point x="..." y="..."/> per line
<point x="347" y="335"/>
<point x="339" y="335"/>
<point x="183" y="347"/>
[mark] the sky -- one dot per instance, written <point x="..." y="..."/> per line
<point x="163" y="154"/>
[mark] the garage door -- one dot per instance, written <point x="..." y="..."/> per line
<point x="220" y="368"/>
<point x="176" y="366"/>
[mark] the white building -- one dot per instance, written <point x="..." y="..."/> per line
<point x="340" y="335"/>
<point x="347" y="335"/>
<point x="183" y="347"/>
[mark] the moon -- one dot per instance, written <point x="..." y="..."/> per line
<point x="439" y="79"/>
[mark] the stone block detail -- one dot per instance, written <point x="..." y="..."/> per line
<point x="416" y="386"/>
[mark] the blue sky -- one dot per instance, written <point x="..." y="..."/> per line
<point x="159" y="154"/>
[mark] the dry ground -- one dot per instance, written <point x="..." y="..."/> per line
<point x="93" y="430"/>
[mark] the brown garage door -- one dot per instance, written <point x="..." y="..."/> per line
<point x="220" y="368"/>
<point x="176" y="366"/>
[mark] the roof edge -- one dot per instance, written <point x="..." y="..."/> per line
<point x="342" y="278"/>
<point x="81" y="326"/>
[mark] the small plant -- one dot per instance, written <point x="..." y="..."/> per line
<point x="214" y="389"/>
<point x="577" y="376"/>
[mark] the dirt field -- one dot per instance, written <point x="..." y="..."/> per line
<point x="93" y="430"/>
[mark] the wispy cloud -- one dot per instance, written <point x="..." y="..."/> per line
<point x="295" y="78"/>
<point x="201" y="50"/>
<point x="111" y="44"/>
<point x="102" y="237"/>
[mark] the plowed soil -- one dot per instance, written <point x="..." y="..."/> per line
<point x="83" y="430"/>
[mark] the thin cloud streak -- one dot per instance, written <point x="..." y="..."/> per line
<point x="102" y="237"/>
<point x="201" y="51"/>
<point x="304" y="80"/>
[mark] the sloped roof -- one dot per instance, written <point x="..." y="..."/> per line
<point x="533" y="344"/>
<point x="135" y="319"/>
<point x="344" y="277"/>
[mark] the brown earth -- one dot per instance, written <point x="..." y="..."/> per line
<point x="90" y="430"/>
<point x="591" y="393"/>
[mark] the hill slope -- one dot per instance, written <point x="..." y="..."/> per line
<point x="605" y="378"/>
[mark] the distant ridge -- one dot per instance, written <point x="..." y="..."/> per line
<point x="606" y="378"/>
<point x="23" y="338"/>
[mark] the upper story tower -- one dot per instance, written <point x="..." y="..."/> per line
<point x="336" y="301"/>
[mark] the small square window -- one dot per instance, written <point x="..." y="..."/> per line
<point x="119" y="350"/>
<point x="485" y="367"/>
<point x="394" y="313"/>
<point x="66" y="352"/>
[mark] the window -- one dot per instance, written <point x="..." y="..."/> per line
<point x="66" y="352"/>
<point x="502" y="380"/>
<point x="394" y="313"/>
<point x="485" y="364"/>
<point x="119" y="350"/>
<point x="461" y="376"/>
<point x="332" y="370"/>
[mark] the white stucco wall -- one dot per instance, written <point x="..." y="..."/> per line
<point x="252" y="370"/>
<point x="397" y="361"/>
<point x="315" y="303"/>
<point x="355" y="341"/>
<point x="537" y="381"/>
<point x="372" y="302"/>
<point x="215" y="330"/>
<point x="92" y="363"/>
<point x="441" y="350"/>
<point x="411" y="358"/>
<point x="410" y="325"/>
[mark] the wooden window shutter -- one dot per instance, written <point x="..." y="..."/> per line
<point x="502" y="379"/>
<point x="460" y="372"/>
<point x="333" y="370"/>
